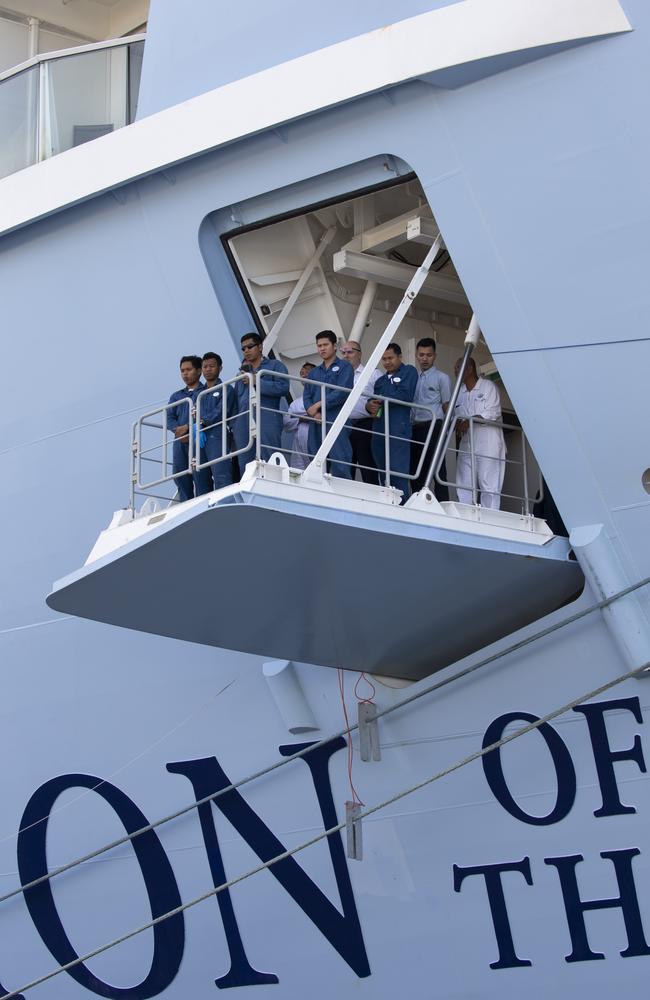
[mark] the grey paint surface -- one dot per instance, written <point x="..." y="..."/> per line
<point x="321" y="592"/>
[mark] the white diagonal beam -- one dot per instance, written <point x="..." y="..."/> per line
<point x="325" y="241"/>
<point x="314" y="470"/>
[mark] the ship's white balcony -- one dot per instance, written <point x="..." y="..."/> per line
<point x="58" y="100"/>
<point x="317" y="569"/>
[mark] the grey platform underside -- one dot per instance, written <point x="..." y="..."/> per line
<point x="319" y="592"/>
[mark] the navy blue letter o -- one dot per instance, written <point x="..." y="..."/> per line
<point x="162" y="889"/>
<point x="564" y="770"/>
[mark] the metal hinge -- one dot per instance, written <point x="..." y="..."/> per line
<point x="353" y="830"/>
<point x="369" y="748"/>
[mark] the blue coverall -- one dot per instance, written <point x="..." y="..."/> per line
<point x="340" y="373"/>
<point x="398" y="385"/>
<point x="268" y="417"/>
<point x="199" y="482"/>
<point x="213" y="413"/>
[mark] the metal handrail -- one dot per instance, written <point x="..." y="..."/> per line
<point x="384" y="433"/>
<point x="140" y="454"/>
<point x="200" y="426"/>
<point x="255" y="411"/>
<point x="137" y="451"/>
<point x="525" y="498"/>
<point x="472" y="337"/>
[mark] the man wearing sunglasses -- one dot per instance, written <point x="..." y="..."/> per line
<point x="266" y="414"/>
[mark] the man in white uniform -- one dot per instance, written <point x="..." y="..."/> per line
<point x="296" y="421"/>
<point x="361" y="424"/>
<point x="480" y="398"/>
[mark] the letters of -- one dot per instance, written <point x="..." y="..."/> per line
<point x="565" y="777"/>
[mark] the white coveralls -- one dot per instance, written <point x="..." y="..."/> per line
<point x="489" y="445"/>
<point x="295" y="419"/>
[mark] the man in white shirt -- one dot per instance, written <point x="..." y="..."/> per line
<point x="433" y="391"/>
<point x="361" y="424"/>
<point x="480" y="398"/>
<point x="296" y="421"/>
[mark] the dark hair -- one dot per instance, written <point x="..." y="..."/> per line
<point x="193" y="359"/>
<point x="326" y="335"/>
<point x="308" y="364"/>
<point x="211" y="356"/>
<point x="251" y="336"/>
<point x="426" y="342"/>
<point x="396" y="348"/>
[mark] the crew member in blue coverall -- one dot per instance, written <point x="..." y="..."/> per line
<point x="399" y="382"/>
<point x="267" y="415"/>
<point x="179" y="419"/>
<point x="333" y="371"/>
<point x="216" y="406"/>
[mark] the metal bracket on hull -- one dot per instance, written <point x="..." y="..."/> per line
<point x="353" y="830"/>
<point x="289" y="698"/>
<point x="369" y="748"/>
<point x="625" y="620"/>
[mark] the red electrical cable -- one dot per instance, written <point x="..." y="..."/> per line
<point x="371" y="699"/>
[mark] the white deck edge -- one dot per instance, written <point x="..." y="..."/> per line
<point x="440" y="39"/>
<point x="344" y="496"/>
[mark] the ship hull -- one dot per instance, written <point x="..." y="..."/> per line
<point x="536" y="175"/>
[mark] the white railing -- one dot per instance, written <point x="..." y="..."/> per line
<point x="58" y="100"/>
<point x="514" y="472"/>
<point x="152" y="443"/>
<point x="382" y="431"/>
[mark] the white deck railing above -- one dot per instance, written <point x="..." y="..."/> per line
<point x="58" y="100"/>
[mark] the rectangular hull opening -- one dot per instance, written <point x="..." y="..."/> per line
<point x="345" y="267"/>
